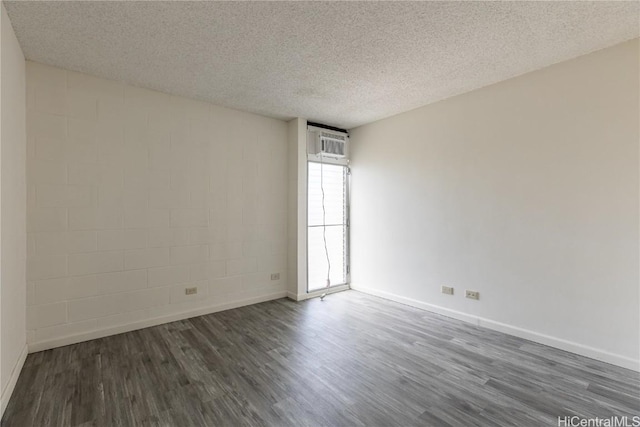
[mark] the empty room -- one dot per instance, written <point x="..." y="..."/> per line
<point x="292" y="213"/>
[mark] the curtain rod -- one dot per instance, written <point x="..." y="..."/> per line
<point x="320" y="125"/>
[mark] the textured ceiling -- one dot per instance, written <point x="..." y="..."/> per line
<point x="340" y="63"/>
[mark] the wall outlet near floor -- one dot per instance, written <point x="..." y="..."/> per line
<point x="190" y="291"/>
<point x="447" y="290"/>
<point x="275" y="276"/>
<point x="472" y="294"/>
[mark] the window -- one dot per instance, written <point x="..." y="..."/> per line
<point x="327" y="221"/>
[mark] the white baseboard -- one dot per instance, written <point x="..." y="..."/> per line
<point x="562" y="344"/>
<point x="101" y="333"/>
<point x="13" y="379"/>
<point x="314" y="294"/>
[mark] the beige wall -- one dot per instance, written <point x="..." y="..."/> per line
<point x="526" y="191"/>
<point x="135" y="195"/>
<point x="12" y="210"/>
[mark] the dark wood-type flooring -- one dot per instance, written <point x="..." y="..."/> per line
<point x="351" y="360"/>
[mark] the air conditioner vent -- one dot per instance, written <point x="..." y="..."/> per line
<point x="333" y="145"/>
<point x="332" y="136"/>
<point x="327" y="143"/>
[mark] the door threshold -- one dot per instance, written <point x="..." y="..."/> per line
<point x="319" y="292"/>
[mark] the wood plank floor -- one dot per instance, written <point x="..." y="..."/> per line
<point x="352" y="360"/>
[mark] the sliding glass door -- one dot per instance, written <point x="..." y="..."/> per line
<point x="328" y="225"/>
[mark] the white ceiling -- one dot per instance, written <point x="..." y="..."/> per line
<point x="340" y="63"/>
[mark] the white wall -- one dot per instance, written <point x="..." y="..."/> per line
<point x="292" y="213"/>
<point x="135" y="195"/>
<point x="297" y="223"/>
<point x="12" y="210"/>
<point x="526" y="191"/>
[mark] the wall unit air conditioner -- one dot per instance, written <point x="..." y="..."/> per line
<point x="328" y="143"/>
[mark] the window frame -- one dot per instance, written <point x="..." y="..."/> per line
<point x="336" y="161"/>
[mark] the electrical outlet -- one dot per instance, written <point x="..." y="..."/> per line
<point x="275" y="276"/>
<point x="472" y="294"/>
<point x="190" y="291"/>
<point x="447" y="290"/>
